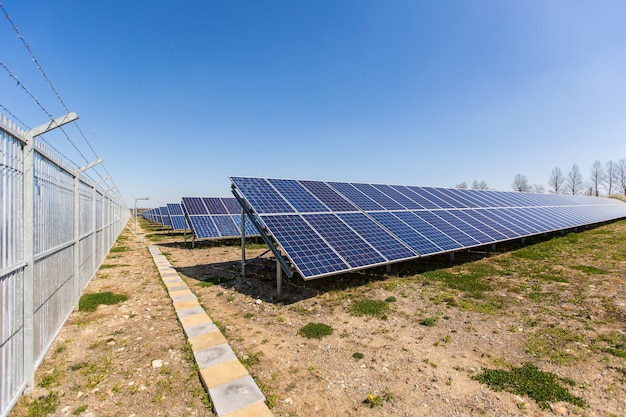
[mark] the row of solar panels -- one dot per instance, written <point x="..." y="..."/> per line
<point x="207" y="217"/>
<point x="327" y="228"/>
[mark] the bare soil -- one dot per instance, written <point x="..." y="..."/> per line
<point x="417" y="360"/>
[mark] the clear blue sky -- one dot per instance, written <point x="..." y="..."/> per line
<point x="177" y="96"/>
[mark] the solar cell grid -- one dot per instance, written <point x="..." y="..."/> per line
<point x="379" y="197"/>
<point x="355" y="196"/>
<point x="346" y="243"/>
<point x="262" y="196"/>
<point x="398" y="196"/>
<point x="298" y="196"/>
<point x="194" y="205"/>
<point x="214" y="205"/>
<point x="310" y="254"/>
<point x="388" y="245"/>
<point x="333" y="227"/>
<point x="328" y="196"/>
<point x="402" y="227"/>
<point x="419" y="199"/>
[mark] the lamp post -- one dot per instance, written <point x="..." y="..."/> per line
<point x="137" y="199"/>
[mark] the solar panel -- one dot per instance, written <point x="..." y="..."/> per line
<point x="177" y="216"/>
<point x="324" y="228"/>
<point x="215" y="217"/>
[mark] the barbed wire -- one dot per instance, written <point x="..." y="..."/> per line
<point x="14" y="117"/>
<point x="56" y="93"/>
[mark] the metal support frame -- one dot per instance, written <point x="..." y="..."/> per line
<point x="137" y="199"/>
<point x="77" y="283"/>
<point x="29" y="241"/>
<point x="280" y="260"/>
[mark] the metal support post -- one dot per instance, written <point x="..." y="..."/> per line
<point x="29" y="243"/>
<point x="279" y="278"/>
<point x="243" y="245"/>
<point x="451" y="257"/>
<point x="138" y="198"/>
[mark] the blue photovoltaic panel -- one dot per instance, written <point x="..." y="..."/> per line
<point x="203" y="227"/>
<point x="388" y="245"/>
<point x="378" y="196"/>
<point x="262" y="196"/>
<point x="440" y="241"/>
<point x="232" y="205"/>
<point x="406" y="232"/>
<point x="298" y="196"/>
<point x="214" y="205"/>
<point x="226" y="226"/>
<point x="402" y="199"/>
<point x="424" y="194"/>
<point x="309" y="253"/>
<point x="328" y="196"/>
<point x="165" y="217"/>
<point x="194" y="205"/>
<point x="343" y="240"/>
<point x="357" y="198"/>
<point x="175" y="209"/>
<point x="179" y="223"/>
<point x="219" y="218"/>
<point x="326" y="228"/>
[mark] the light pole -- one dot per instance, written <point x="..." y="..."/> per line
<point x="136" y="199"/>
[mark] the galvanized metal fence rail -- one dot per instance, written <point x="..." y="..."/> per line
<point x="56" y="228"/>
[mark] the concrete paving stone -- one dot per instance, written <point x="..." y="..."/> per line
<point x="179" y="305"/>
<point x="235" y="395"/>
<point x="196" y="319"/>
<point x="198" y="329"/>
<point x="185" y="312"/>
<point x="214" y="355"/>
<point x="174" y="286"/>
<point x="207" y="340"/>
<point x="178" y="293"/>
<point x="222" y="373"/>
<point x="184" y="297"/>
<point x="258" y="409"/>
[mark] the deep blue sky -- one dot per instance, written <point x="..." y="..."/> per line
<point x="177" y="96"/>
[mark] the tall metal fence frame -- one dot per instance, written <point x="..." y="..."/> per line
<point x="56" y="228"/>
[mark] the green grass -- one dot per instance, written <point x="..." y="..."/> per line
<point x="591" y="270"/>
<point x="543" y="387"/>
<point x="559" y="345"/>
<point x="90" y="302"/>
<point x="119" y="249"/>
<point x="315" y="330"/>
<point x="469" y="280"/>
<point x="44" y="406"/>
<point x="211" y="281"/>
<point x="367" y="307"/>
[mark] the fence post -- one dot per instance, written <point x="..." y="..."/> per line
<point x="29" y="242"/>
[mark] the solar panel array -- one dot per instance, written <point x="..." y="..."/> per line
<point x="327" y="228"/>
<point x="215" y="217"/>
<point x="177" y="216"/>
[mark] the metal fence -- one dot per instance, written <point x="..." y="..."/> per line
<point x="56" y="228"/>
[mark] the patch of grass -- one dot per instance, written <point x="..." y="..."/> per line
<point x="107" y="266"/>
<point x="44" y="405"/>
<point x="590" y="270"/>
<point x="250" y="359"/>
<point x="211" y="281"/>
<point x="80" y="409"/>
<point x="51" y="378"/>
<point x="315" y="330"/>
<point x="358" y="355"/>
<point x="543" y="387"/>
<point x="429" y="321"/>
<point x="559" y="345"/>
<point x="90" y="302"/>
<point x="379" y="400"/>
<point x="119" y="249"/>
<point x="367" y="307"/>
<point x="469" y="280"/>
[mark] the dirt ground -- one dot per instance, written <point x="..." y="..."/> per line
<point x="416" y="360"/>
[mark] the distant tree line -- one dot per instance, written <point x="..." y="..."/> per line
<point x="609" y="178"/>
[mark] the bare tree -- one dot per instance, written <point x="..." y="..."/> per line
<point x="557" y="181"/>
<point x="520" y="183"/>
<point x="537" y="189"/>
<point x="621" y="174"/>
<point x="574" y="182"/>
<point x="462" y="185"/>
<point x="597" y="177"/>
<point x="482" y="185"/>
<point x="611" y="170"/>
